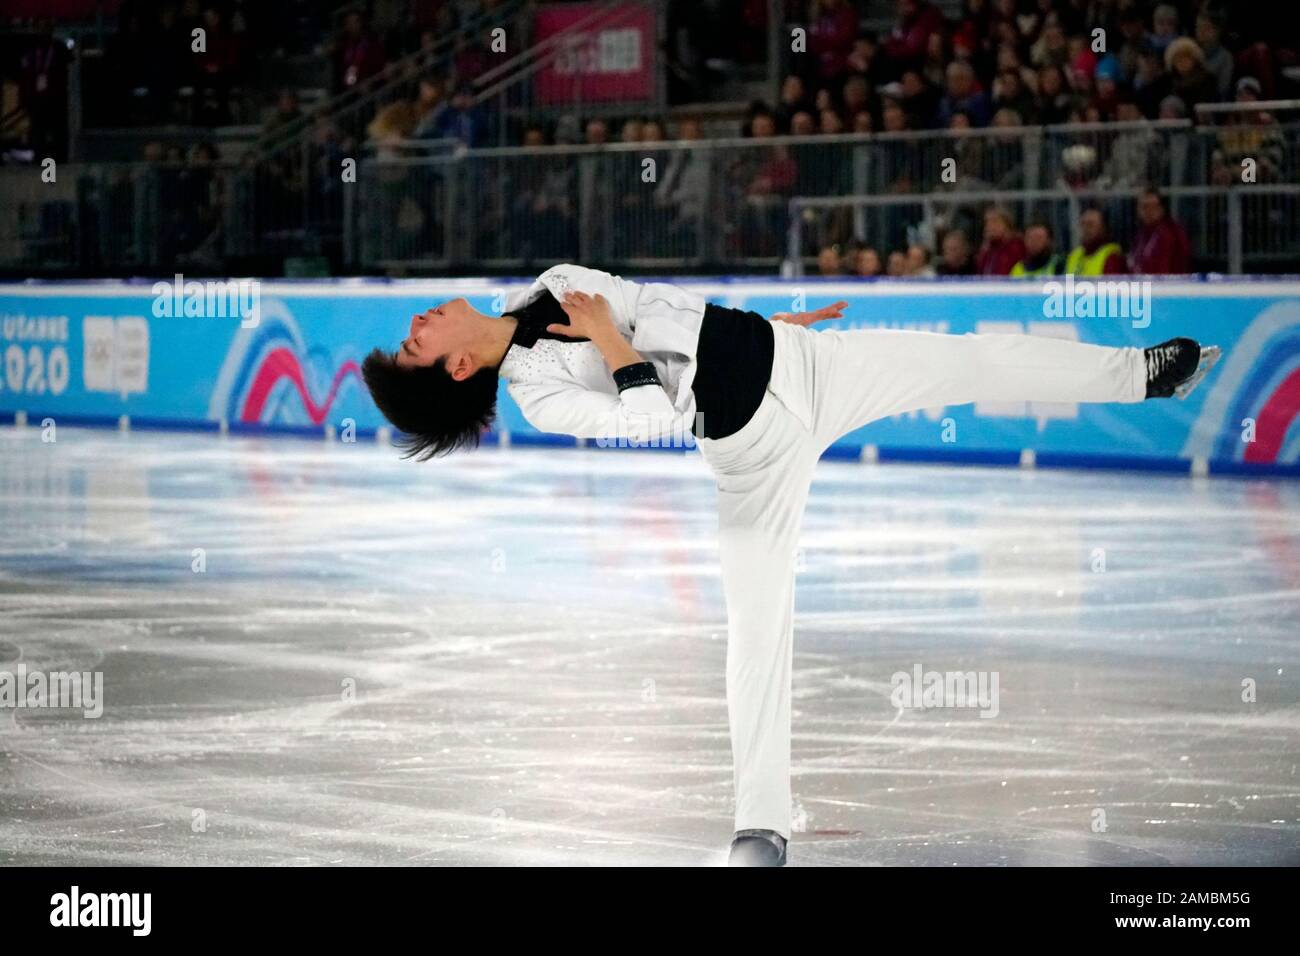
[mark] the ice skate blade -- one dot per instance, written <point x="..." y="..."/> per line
<point x="1209" y="356"/>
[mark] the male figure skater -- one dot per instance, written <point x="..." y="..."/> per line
<point x="595" y="356"/>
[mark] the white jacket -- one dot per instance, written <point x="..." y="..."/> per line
<point x="566" y="388"/>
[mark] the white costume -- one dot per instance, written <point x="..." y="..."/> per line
<point x="823" y="385"/>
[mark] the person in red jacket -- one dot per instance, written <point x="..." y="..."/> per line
<point x="1002" y="248"/>
<point x="910" y="38"/>
<point x="831" y="33"/>
<point x="1160" y="246"/>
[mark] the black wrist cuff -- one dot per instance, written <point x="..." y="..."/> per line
<point x="630" y="376"/>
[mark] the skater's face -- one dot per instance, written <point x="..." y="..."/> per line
<point x="447" y="331"/>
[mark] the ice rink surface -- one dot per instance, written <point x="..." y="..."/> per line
<point x="517" y="657"/>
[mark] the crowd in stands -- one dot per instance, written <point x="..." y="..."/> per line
<point x="1158" y="246"/>
<point x="1031" y="62"/>
<point x="996" y="64"/>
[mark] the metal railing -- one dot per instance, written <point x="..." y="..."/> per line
<point x="728" y="203"/>
<point x="670" y="206"/>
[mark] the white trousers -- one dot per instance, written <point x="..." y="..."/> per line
<point x="825" y="384"/>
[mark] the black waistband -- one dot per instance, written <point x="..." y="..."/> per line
<point x="733" y="366"/>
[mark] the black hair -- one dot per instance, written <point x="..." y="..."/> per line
<point x="435" y="413"/>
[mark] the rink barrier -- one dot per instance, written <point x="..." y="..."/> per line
<point x="94" y="353"/>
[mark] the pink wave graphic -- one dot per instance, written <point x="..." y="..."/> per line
<point x="282" y="363"/>
<point x="1274" y="420"/>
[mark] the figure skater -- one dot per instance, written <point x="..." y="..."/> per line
<point x="598" y="357"/>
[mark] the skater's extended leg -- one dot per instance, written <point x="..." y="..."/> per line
<point x="865" y="374"/>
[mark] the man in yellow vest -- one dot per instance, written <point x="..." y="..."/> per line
<point x="1097" y="255"/>
<point x="1040" y="258"/>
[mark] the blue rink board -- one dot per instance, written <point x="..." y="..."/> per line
<point x="92" y="352"/>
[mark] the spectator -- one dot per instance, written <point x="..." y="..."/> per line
<point x="683" y="189"/>
<point x="916" y="262"/>
<point x="1151" y="84"/>
<point x="857" y="95"/>
<point x="1051" y="48"/>
<point x="1002" y="247"/>
<point x="964" y="95"/>
<point x="866" y="262"/>
<point x="893" y="117"/>
<point x="897" y="265"/>
<point x="865" y="60"/>
<point x="1171" y="108"/>
<point x="597" y="132"/>
<point x="766" y="188"/>
<point x="1132" y="42"/>
<point x="1007" y="118"/>
<point x="285" y="111"/>
<point x="830" y="262"/>
<point x="831" y="123"/>
<point x="1040" y="258"/>
<point x="358" y="54"/>
<point x="1095" y="255"/>
<point x="937" y="57"/>
<point x="794" y="99"/>
<point x="956" y="257"/>
<point x="630" y="132"/>
<point x="1250" y="140"/>
<point x="1009" y="93"/>
<point x="1136" y="154"/>
<point x="1106" y="92"/>
<point x="919" y="98"/>
<point x="1164" y="27"/>
<point x="461" y="120"/>
<point x="802" y="124"/>
<point x="1160" y="246"/>
<point x="909" y="41"/>
<point x="392" y="126"/>
<point x="833" y="27"/>
<point x="1218" y="61"/>
<point x="1189" y="79"/>
<point x="1053" y="102"/>
<point x="430" y="104"/>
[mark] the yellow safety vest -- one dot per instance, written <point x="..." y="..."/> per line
<point x="1049" y="268"/>
<point x="1082" y="264"/>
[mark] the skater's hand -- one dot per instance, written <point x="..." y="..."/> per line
<point x="589" y="316"/>
<point x="835" y="311"/>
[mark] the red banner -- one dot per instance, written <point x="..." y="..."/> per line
<point x="609" y="59"/>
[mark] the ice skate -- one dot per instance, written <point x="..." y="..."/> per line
<point x="757" y="848"/>
<point x="1177" y="366"/>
